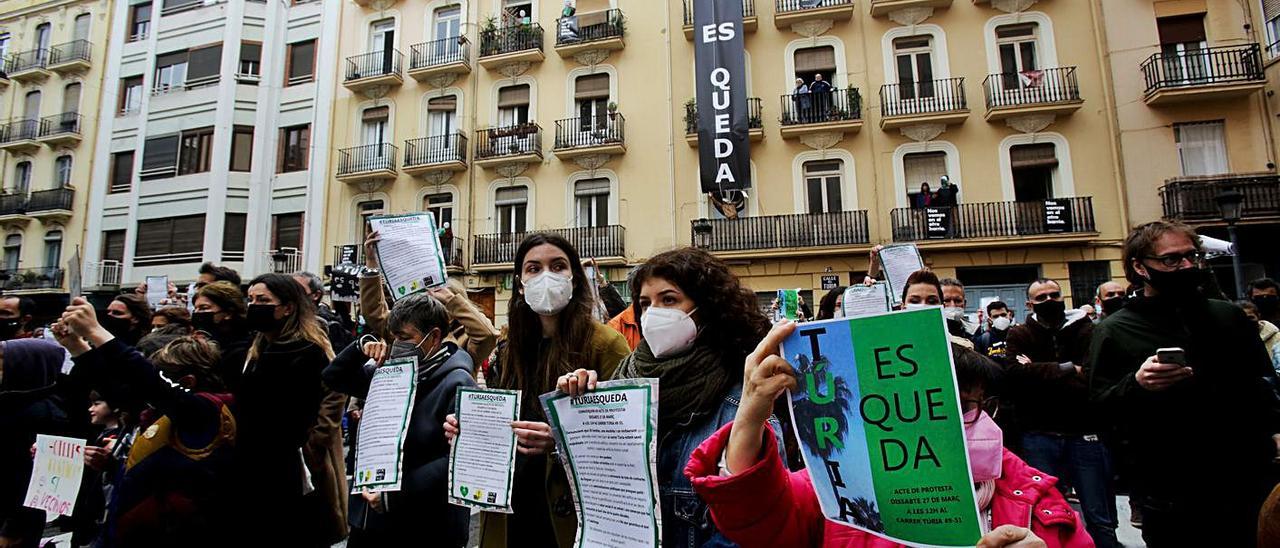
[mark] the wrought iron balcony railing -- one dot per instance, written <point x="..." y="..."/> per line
<point x="837" y="105"/>
<point x="994" y="220"/>
<point x="591" y="242"/>
<point x="840" y="228"/>
<point x="1198" y="67"/>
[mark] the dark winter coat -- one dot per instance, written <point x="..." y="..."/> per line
<point x="1048" y="393"/>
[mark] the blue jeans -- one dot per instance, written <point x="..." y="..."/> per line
<point x="1086" y="465"/>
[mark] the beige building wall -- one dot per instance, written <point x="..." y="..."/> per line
<point x="31" y="233"/>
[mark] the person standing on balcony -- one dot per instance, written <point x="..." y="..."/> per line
<point x="947" y="193"/>
<point x="821" y="91"/>
<point x="800" y="101"/>
<point x="924" y="198"/>
<point x="1061" y="430"/>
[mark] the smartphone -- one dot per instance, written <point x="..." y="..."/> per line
<point x="1172" y="355"/>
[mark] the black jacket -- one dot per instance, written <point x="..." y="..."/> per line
<point x="1207" y="438"/>
<point x="421" y="505"/>
<point x="1048" y="395"/>
<point x="28" y="406"/>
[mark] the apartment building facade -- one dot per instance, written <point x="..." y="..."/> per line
<point x="213" y="115"/>
<point x="54" y="61"/>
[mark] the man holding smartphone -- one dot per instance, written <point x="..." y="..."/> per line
<point x="1186" y="380"/>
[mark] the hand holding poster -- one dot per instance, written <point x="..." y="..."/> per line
<point x="880" y="428"/>
<point x="409" y="252"/>
<point x="865" y="300"/>
<point x="157" y="291"/>
<point x="898" y="262"/>
<point x="384" y="425"/>
<point x="55" y="478"/>
<point x="608" y="445"/>
<point x="482" y="461"/>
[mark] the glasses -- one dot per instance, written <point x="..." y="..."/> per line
<point x="1055" y="295"/>
<point x="1174" y="260"/>
<point x="990" y="405"/>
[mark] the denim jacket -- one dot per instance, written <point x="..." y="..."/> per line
<point x="686" y="521"/>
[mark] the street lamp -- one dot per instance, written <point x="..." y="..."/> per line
<point x="702" y="233"/>
<point x="1229" y="202"/>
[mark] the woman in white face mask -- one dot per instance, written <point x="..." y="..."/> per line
<point x="550" y="332"/>
<point x="698" y="322"/>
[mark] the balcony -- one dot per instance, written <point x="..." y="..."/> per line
<point x="520" y="143"/>
<point x="285" y="260"/>
<point x="809" y="113"/>
<point x="782" y="235"/>
<point x="376" y="68"/>
<point x="1200" y="75"/>
<point x="31" y="279"/>
<point x="605" y="134"/>
<point x="103" y="274"/>
<point x="60" y="129"/>
<point x="749" y="19"/>
<point x="1192" y="199"/>
<point x="790" y="12"/>
<point x="439" y="153"/>
<point x="996" y="221"/>
<point x="446" y="56"/>
<point x="28" y="66"/>
<point x="13" y="209"/>
<point x="885" y="7"/>
<point x="755" y="120"/>
<point x="924" y="102"/>
<point x="508" y="45"/>
<point x="20" y="135"/>
<point x="70" y="57"/>
<point x="51" y="205"/>
<point x="593" y="30"/>
<point x="602" y="243"/>
<point x="367" y="163"/>
<point x="1049" y="91"/>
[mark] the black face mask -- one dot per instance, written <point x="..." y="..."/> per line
<point x="1267" y="304"/>
<point x="1176" y="284"/>
<point x="1050" y="312"/>
<point x="121" y="328"/>
<point x="1112" y="305"/>
<point x="10" y="328"/>
<point x="203" y="321"/>
<point x="262" y="318"/>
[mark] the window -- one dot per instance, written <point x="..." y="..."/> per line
<point x="364" y="210"/>
<point x="159" y="157"/>
<point x="203" y="65"/>
<point x="42" y="37"/>
<point x="31" y="106"/>
<point x="822" y="186"/>
<point x="441" y="206"/>
<point x="12" y="251"/>
<point x="442" y="113"/>
<point x="121" y="171"/>
<point x="62" y="171"/>
<point x="812" y="61"/>
<point x="1033" y="171"/>
<point x="913" y="57"/>
<point x="1182" y="43"/>
<point x="301" y="61"/>
<point x="513" y="206"/>
<point x="81" y="27"/>
<point x="4" y="46"/>
<point x="513" y="105"/>
<point x="1017" y="45"/>
<point x="71" y="99"/>
<point x="1271" y="14"/>
<point x="173" y="6"/>
<point x="591" y="202"/>
<point x="250" y="59"/>
<point x="1085" y="278"/>
<point x="448" y="27"/>
<point x="130" y="95"/>
<point x="591" y="93"/>
<point x="233" y="233"/>
<point x="171" y="71"/>
<point x="286" y="231"/>
<point x="242" y="148"/>
<point x="923" y="168"/>
<point x="295" y="147"/>
<point x="1202" y="147"/>
<point x="139" y="22"/>
<point x="170" y="240"/>
<point x="382" y="35"/>
<point x="52" y="248"/>
<point x="113" y="245"/>
<point x="195" y="151"/>
<point x="517" y="12"/>
<point x="22" y="177"/>
<point x="375" y="122"/>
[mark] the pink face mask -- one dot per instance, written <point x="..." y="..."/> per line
<point x="986" y="446"/>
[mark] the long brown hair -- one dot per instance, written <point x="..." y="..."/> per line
<point x="570" y="348"/>
<point x="301" y="325"/>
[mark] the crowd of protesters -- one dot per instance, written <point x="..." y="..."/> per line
<point x="217" y="417"/>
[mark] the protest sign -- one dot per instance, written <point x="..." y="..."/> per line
<point x="56" y="475"/>
<point x="865" y="300"/>
<point x="384" y="425"/>
<point x="1057" y="216"/>
<point x="724" y="146"/>
<point x="157" y="291"/>
<point x="788" y="304"/>
<point x="898" y="261"/>
<point x="409" y="252"/>
<point x="878" y="419"/>
<point x="344" y="283"/>
<point x="482" y="461"/>
<point x="608" y="445"/>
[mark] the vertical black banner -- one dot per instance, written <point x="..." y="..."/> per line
<point x="724" y="157"/>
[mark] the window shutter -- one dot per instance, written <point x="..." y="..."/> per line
<point x="233" y="232"/>
<point x="203" y="64"/>
<point x="446" y="103"/>
<point x="153" y="237"/>
<point x="301" y="60"/>
<point x="513" y="96"/>
<point x="1181" y="28"/>
<point x="113" y="245"/>
<point x="160" y="153"/>
<point x="512" y="195"/>
<point x="820" y="59"/>
<point x="288" y="231"/>
<point x="595" y="86"/>
<point x="1270" y="9"/>
<point x="169" y="59"/>
<point x="122" y="171"/>
<point x="242" y="148"/>
<point x="591" y="187"/>
<point x="927" y="167"/>
<point x="250" y="52"/>
<point x="188" y="234"/>
<point x="376" y="114"/>
<point x="1041" y="155"/>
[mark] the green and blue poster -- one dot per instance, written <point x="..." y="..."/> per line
<point x="788" y="304"/>
<point x="877" y="414"/>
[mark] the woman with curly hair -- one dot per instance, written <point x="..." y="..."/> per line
<point x="698" y="323"/>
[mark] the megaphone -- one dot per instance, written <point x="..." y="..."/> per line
<point x="1215" y="248"/>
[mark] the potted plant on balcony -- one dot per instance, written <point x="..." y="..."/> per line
<point x="613" y="110"/>
<point x="691" y="116"/>
<point x="619" y="23"/>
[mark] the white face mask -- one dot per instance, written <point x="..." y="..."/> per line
<point x="668" y="331"/>
<point x="956" y="314"/>
<point x="1001" y="323"/>
<point x="915" y="306"/>
<point x="548" y="293"/>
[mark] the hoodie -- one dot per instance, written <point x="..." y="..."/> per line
<point x="29" y="406"/>
<point x="421" y="505"/>
<point x="1049" y="394"/>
